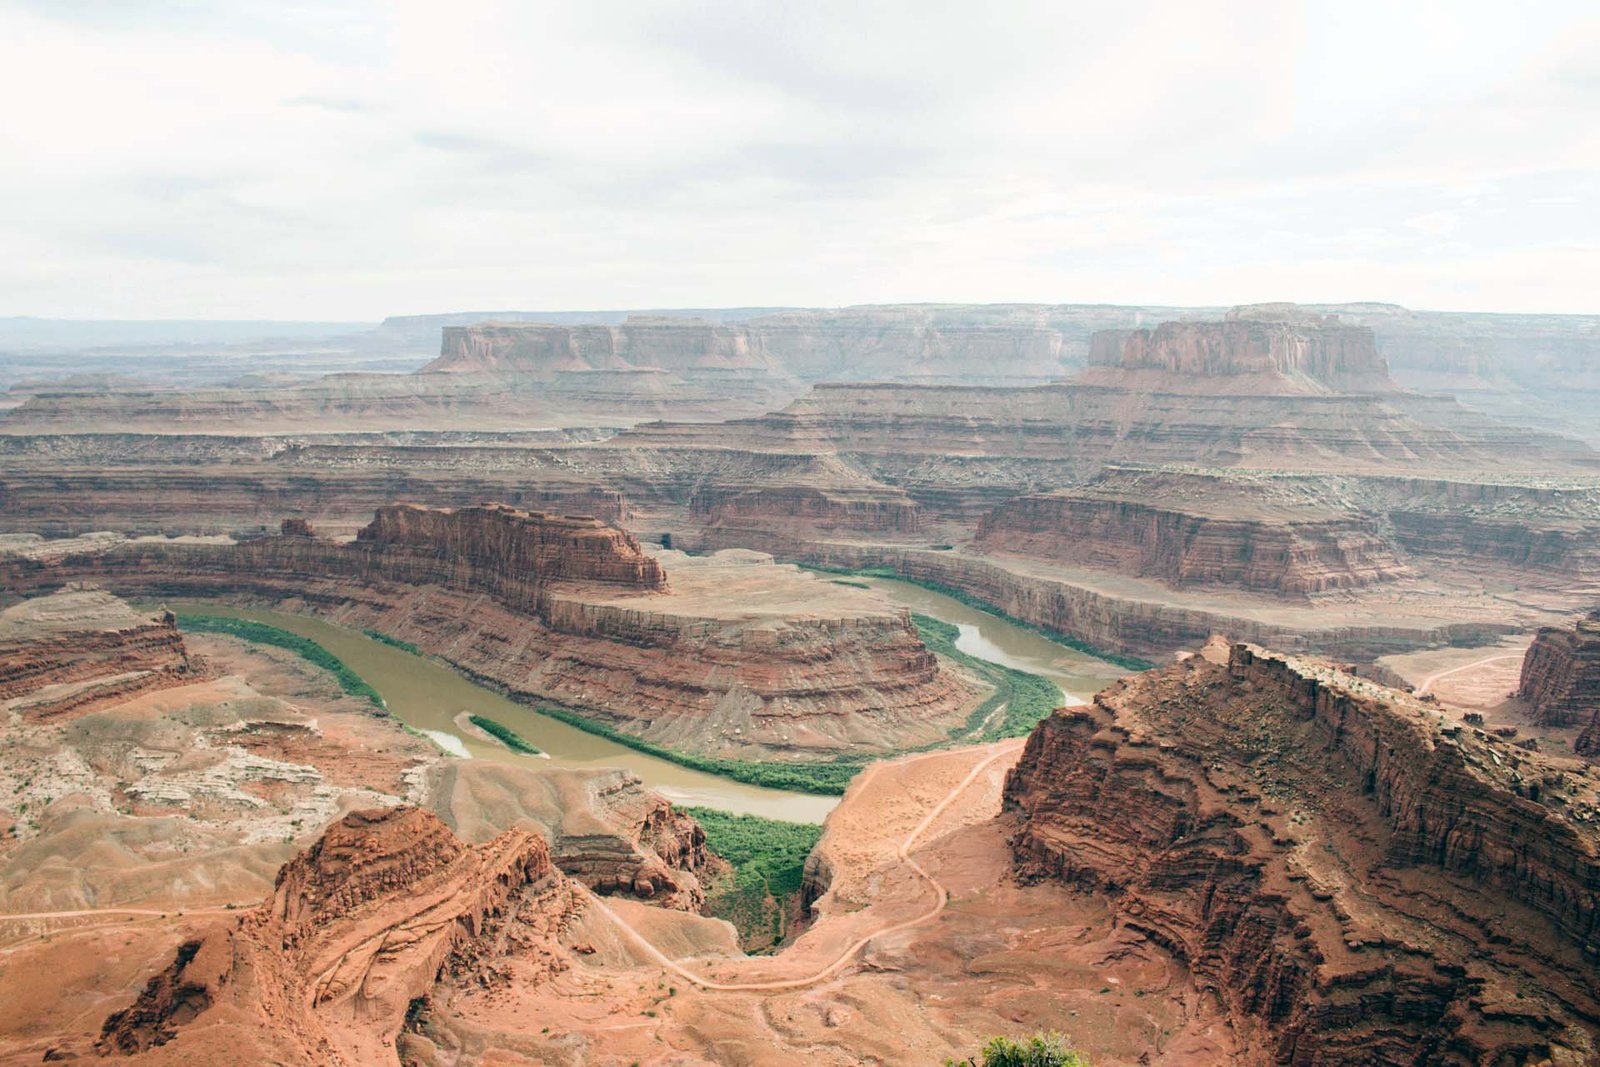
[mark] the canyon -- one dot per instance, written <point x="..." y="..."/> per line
<point x="728" y="655"/>
<point x="1254" y="858"/>
<point x="1344" y="830"/>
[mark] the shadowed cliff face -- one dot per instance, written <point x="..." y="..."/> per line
<point x="1357" y="881"/>
<point x="1561" y="679"/>
<point x="359" y="927"/>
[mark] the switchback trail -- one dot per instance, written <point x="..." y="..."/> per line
<point x="941" y="894"/>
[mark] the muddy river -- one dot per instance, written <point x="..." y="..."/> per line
<point x="430" y="697"/>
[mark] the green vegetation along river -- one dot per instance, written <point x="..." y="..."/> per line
<point x="429" y="697"/>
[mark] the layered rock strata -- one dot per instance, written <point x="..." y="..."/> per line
<point x="543" y="351"/>
<point x="1147" y="619"/>
<point x="358" y="930"/>
<point x="82" y="648"/>
<point x="738" y="656"/>
<point x="1561" y="679"/>
<point x="1352" y="876"/>
<point x="140" y="484"/>
<point x="509" y="554"/>
<point x="605" y="829"/>
<point x="1296" y="351"/>
<point x="1286" y="553"/>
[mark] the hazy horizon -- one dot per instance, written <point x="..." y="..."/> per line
<point x="352" y="161"/>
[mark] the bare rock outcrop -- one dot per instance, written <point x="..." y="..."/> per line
<point x="604" y="827"/>
<point x="82" y="648"/>
<point x="1300" y="351"/>
<point x="1561" y="679"/>
<point x="1284" y="551"/>
<point x="737" y="656"/>
<point x="511" y="554"/>
<point x="536" y="350"/>
<point x="1354" y="878"/>
<point x="359" y="927"/>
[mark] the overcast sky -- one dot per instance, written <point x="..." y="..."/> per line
<point x="285" y="159"/>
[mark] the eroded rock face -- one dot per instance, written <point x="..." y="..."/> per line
<point x="82" y="648"/>
<point x="1285" y="554"/>
<point x="509" y="553"/>
<point x="1561" y="679"/>
<point x="737" y="657"/>
<point x="604" y="827"/>
<point x="544" y="351"/>
<point x="1355" y="879"/>
<point x="1302" y="351"/>
<point x="359" y="927"/>
<point x="821" y="509"/>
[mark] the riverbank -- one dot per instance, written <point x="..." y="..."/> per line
<point x="1031" y="673"/>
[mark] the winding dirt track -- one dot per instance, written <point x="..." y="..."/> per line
<point x="941" y="894"/>
<point x="1427" y="683"/>
<point x="26" y="939"/>
<point x="903" y="851"/>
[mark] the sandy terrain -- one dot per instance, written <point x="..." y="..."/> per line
<point x="923" y="949"/>
<point x="1482" y="681"/>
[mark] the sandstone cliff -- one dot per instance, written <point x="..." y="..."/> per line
<point x="1290" y="553"/>
<point x="1355" y="879"/>
<point x="1293" y="352"/>
<point x="1561" y="679"/>
<point x="82" y="648"/>
<point x="737" y="656"/>
<point x="510" y="554"/>
<point x="604" y="827"/>
<point x="535" y="351"/>
<point x="359" y="928"/>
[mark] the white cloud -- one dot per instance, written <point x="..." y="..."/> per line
<point x="364" y="158"/>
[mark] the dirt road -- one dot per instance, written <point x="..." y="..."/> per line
<point x="941" y="894"/>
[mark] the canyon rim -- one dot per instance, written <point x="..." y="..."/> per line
<point x="1051" y="534"/>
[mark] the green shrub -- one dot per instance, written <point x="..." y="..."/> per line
<point x="1040" y="1050"/>
<point x="394" y="642"/>
<point x="768" y="857"/>
<point x="509" y="737"/>
<point x="262" y="634"/>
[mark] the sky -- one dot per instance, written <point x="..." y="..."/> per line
<point x="351" y="160"/>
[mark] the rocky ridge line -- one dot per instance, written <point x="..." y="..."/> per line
<point x="1352" y="876"/>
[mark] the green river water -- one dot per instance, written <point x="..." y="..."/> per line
<point x="429" y="697"/>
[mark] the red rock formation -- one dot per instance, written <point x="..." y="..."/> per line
<point x="359" y="927"/>
<point x="1299" y="351"/>
<point x="604" y="827"/>
<point x="1356" y="880"/>
<point x="511" y="554"/>
<point x="533" y="350"/>
<point x="740" y="657"/>
<point x="295" y="528"/>
<point x="1108" y="617"/>
<point x="1561" y="679"/>
<point x="1288" y="553"/>
<point x="81" y="649"/>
